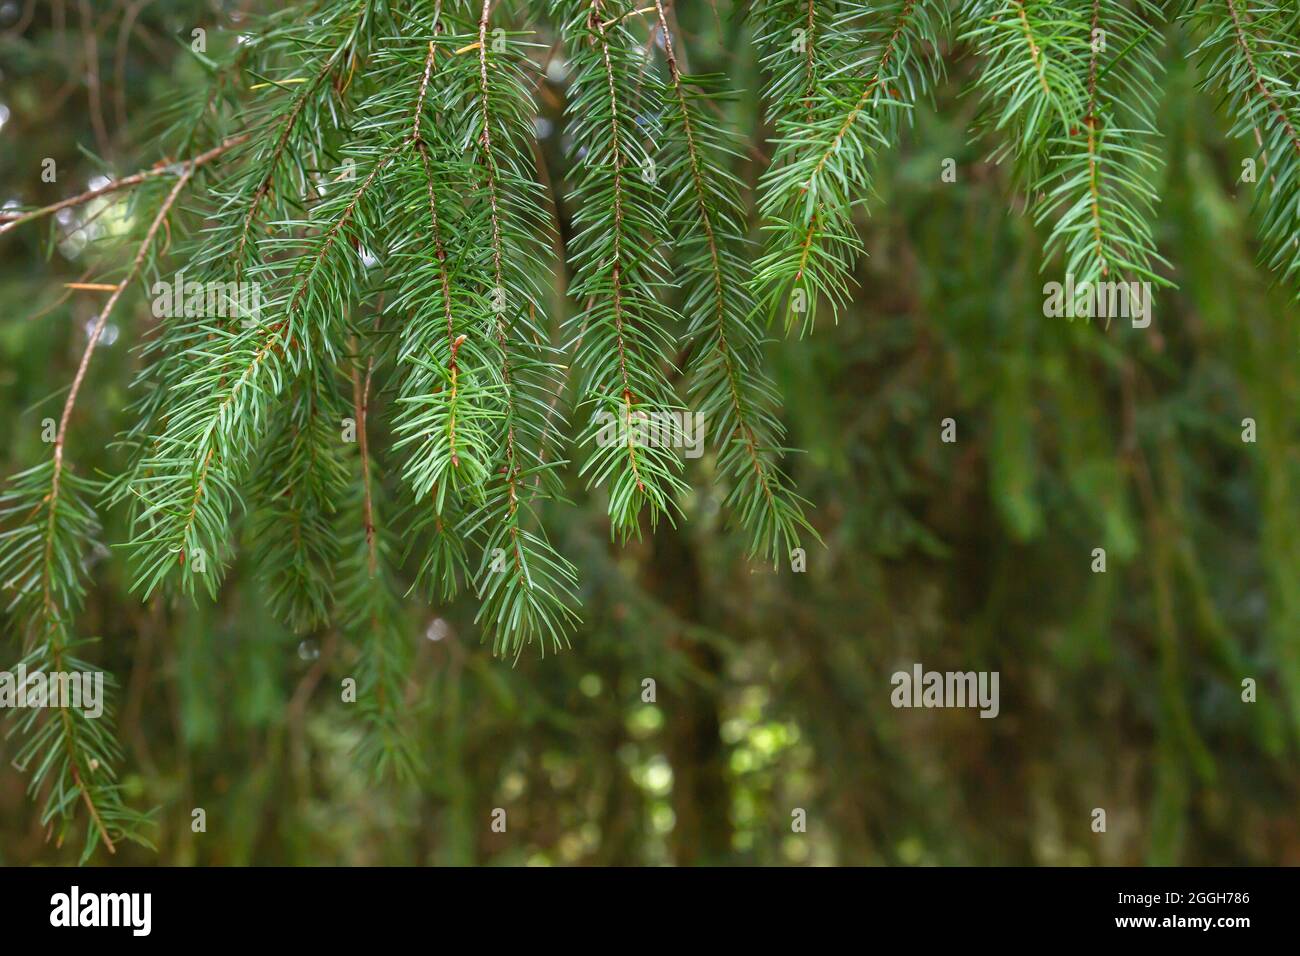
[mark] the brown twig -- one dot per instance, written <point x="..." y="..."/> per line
<point x="98" y="330"/>
<point x="159" y="169"/>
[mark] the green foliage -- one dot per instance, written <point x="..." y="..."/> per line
<point x="1247" y="54"/>
<point x="624" y="333"/>
<point x="855" y="74"/>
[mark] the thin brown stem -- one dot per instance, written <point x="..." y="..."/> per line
<point x="164" y="168"/>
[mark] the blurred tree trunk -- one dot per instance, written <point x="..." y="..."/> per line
<point x="700" y="800"/>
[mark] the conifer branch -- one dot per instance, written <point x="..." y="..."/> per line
<point x="1096" y="182"/>
<point x="730" y="391"/>
<point x="370" y="161"/>
<point x="618" y="270"/>
<point x="1248" y="53"/>
<point x="42" y="556"/>
<point x="192" y="476"/>
<point x="826" y="140"/>
<point x="370" y="606"/>
<point x="532" y="595"/>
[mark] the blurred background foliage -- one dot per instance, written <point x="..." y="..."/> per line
<point x="1119" y="690"/>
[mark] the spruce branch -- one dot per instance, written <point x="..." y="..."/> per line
<point x="294" y="497"/>
<point x="618" y="268"/>
<point x="728" y="388"/>
<point x="41" y="561"/>
<point x="525" y="587"/>
<point x="189" y="482"/>
<point x="1033" y="81"/>
<point x="1096" y="189"/>
<point x="371" y="609"/>
<point x="877" y="66"/>
<point x="1248" y="52"/>
<point x="448" y="406"/>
